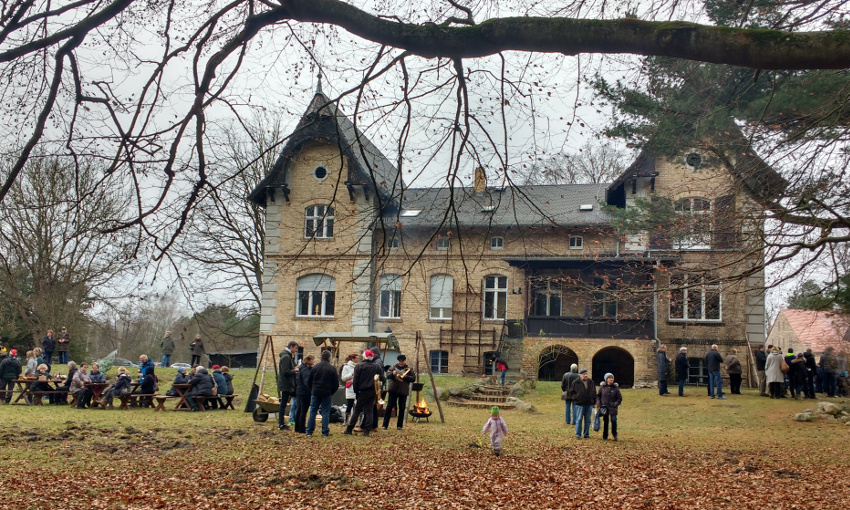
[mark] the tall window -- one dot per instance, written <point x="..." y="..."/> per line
<point x="441" y="296"/>
<point x="696" y="224"/>
<point x="316" y="295"/>
<point x="319" y="221"/>
<point x="439" y="361"/>
<point x="694" y="298"/>
<point x="604" y="299"/>
<point x="390" y="301"/>
<point x="547" y="299"/>
<point x="495" y="297"/>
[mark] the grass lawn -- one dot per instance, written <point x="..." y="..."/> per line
<point x="693" y="452"/>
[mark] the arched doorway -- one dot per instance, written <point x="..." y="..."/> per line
<point x="617" y="361"/>
<point x="554" y="362"/>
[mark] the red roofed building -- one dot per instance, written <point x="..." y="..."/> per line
<point x="809" y="329"/>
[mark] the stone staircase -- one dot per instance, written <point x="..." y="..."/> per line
<point x="482" y="397"/>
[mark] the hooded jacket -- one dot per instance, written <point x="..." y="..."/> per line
<point x="201" y="383"/>
<point x="662" y="363"/>
<point x="348" y="375"/>
<point x="610" y="397"/>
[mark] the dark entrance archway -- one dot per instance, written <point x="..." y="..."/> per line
<point x="617" y="361"/>
<point x="554" y="362"/>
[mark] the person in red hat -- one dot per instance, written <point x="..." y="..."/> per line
<point x="365" y="374"/>
<point x="10" y="369"/>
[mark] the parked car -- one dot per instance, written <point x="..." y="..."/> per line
<point x="181" y="365"/>
<point x="124" y="362"/>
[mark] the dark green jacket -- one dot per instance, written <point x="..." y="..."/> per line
<point x="167" y="345"/>
<point x="286" y="373"/>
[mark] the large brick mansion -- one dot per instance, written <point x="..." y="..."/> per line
<point x="539" y="274"/>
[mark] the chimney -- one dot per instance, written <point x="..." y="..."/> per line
<point x="480" y="180"/>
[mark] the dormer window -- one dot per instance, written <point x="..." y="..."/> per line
<point x="319" y="222"/>
<point x="497" y="243"/>
<point x="576" y="242"/>
<point x="410" y="213"/>
<point x="443" y="244"/>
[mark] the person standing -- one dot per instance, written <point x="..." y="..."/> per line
<point x="811" y="370"/>
<point x="497" y="428"/>
<point x="400" y="376"/>
<point x="48" y="345"/>
<point x="301" y="399"/>
<point x="609" y="398"/>
<point x="10" y="369"/>
<point x="380" y="362"/>
<point x="347" y="378"/>
<point x="735" y="371"/>
<point x="713" y="361"/>
<point x="683" y="368"/>
<point x="166" y="346"/>
<point x="197" y="348"/>
<point x="761" y="359"/>
<point x="323" y="381"/>
<point x="662" y="363"/>
<point x="502" y="367"/>
<point x="798" y="367"/>
<point x="286" y="381"/>
<point x="365" y="375"/>
<point x="583" y="392"/>
<point x="63" y="342"/>
<point x="829" y="364"/>
<point x="566" y="382"/>
<point x="773" y="373"/>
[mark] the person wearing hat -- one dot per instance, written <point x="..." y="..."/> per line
<point x="683" y="367"/>
<point x="583" y="392"/>
<point x="498" y="428"/>
<point x="399" y="376"/>
<point x="181" y="378"/>
<point x="608" y="401"/>
<point x="10" y="369"/>
<point x="63" y="345"/>
<point x="365" y="374"/>
<point x="567" y="381"/>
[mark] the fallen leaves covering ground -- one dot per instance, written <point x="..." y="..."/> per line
<point x="232" y="462"/>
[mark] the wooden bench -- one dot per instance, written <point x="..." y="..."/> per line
<point x="160" y="402"/>
<point x="228" y="401"/>
<point x="38" y="396"/>
<point x="131" y="397"/>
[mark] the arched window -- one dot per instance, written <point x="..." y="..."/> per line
<point x="495" y="296"/>
<point x="316" y="295"/>
<point x="442" y="286"/>
<point x="319" y="221"/>
<point x="390" y="298"/>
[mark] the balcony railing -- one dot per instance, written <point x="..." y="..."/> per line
<point x="581" y="328"/>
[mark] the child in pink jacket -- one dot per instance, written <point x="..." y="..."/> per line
<point x="497" y="427"/>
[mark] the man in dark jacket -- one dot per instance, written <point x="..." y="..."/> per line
<point x="10" y="369"/>
<point x="286" y="371"/>
<point x="63" y="345"/>
<point x="324" y="381"/>
<point x="761" y="360"/>
<point x="583" y="393"/>
<point x="566" y="382"/>
<point x="202" y="384"/>
<point x="48" y="345"/>
<point x="303" y="390"/>
<point x="662" y="363"/>
<point x="811" y="370"/>
<point x="683" y="366"/>
<point x="713" y="360"/>
<point x="400" y="376"/>
<point x="364" y="389"/>
<point x="166" y="346"/>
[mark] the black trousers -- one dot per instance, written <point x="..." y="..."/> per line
<point x="605" y="418"/>
<point x="399" y="402"/>
<point x="364" y="405"/>
<point x="196" y="360"/>
<point x="8" y="387"/>
<point x="775" y="389"/>
<point x="301" y="414"/>
<point x="735" y="383"/>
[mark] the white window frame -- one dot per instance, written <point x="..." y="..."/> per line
<point x="576" y="243"/>
<point x="546" y="293"/>
<point x="389" y="301"/>
<point x="698" y="290"/>
<point x="318" y="293"/>
<point x="497" y="243"/>
<point x="319" y="222"/>
<point x="700" y="240"/>
<point x="440" y="297"/>
<point x="604" y="298"/>
<point x="443" y="244"/>
<point x="495" y="297"/>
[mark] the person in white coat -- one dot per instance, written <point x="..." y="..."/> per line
<point x="773" y="373"/>
<point x="347" y="377"/>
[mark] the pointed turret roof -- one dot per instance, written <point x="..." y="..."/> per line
<point x="323" y="122"/>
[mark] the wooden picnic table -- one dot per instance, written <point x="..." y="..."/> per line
<point x="182" y="391"/>
<point x="96" y="391"/>
<point x="23" y="387"/>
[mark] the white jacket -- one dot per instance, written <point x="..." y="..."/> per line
<point x="348" y="375"/>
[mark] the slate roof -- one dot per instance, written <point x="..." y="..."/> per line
<point x="821" y="328"/>
<point x="519" y="206"/>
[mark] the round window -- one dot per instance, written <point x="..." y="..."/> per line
<point x="693" y="159"/>
<point x="320" y="172"/>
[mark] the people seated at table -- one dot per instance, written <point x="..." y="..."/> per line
<point x="42" y="375"/>
<point x="202" y="383"/>
<point x="66" y="385"/>
<point x="78" y="388"/>
<point x="181" y="378"/>
<point x="96" y="376"/>
<point x="148" y="387"/>
<point x="121" y="387"/>
<point x="225" y="371"/>
<point x="221" y="387"/>
<point x="32" y="364"/>
<point x="10" y="369"/>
